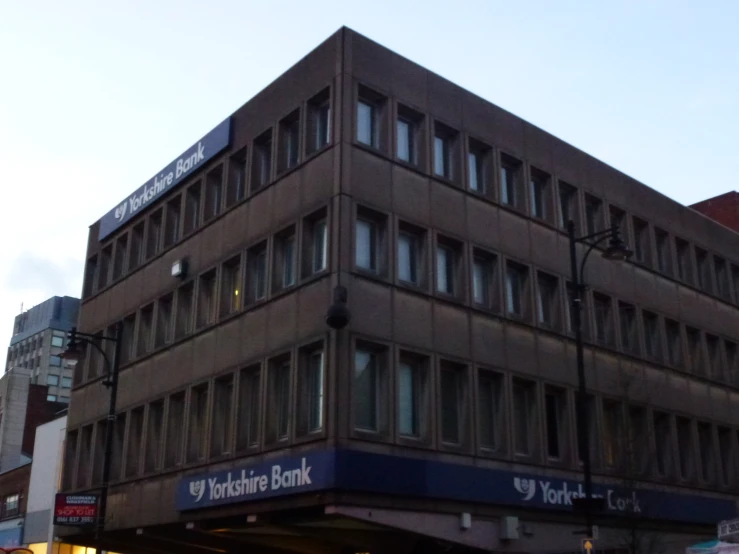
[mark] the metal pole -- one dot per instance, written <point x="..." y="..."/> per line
<point x="582" y="395"/>
<point x="109" y="430"/>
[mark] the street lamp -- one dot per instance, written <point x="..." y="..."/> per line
<point x="73" y="353"/>
<point x="615" y="251"/>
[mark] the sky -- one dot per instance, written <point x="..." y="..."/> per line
<point x="97" y="97"/>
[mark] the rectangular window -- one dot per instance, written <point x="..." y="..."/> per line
<point x="247" y="432"/>
<point x="663" y="443"/>
<point x="510" y="179"/>
<point x="119" y="434"/>
<point x="135" y="435"/>
<point x="569" y="306"/>
<point x="618" y="218"/>
<point x="695" y="349"/>
<point x="220" y="425"/>
<point x="555" y="405"/>
<point x="278" y="395"/>
<point x="704" y="270"/>
<point x="172" y="221"/>
<point x="567" y="204"/>
<point x="183" y="323"/>
<point x="540" y="195"/>
<point x="146" y="319"/>
<point x="652" y="335"/>
<point x="319" y="121"/>
<point x="547" y="300"/>
<point x="369" y="109"/>
<point x="127" y="339"/>
<point x="11" y="505"/>
<point x="206" y="299"/>
<point x="213" y="193"/>
<point x="236" y="185"/>
<point x="52" y="380"/>
<point x="289" y="142"/>
<point x="256" y="259"/>
<point x="231" y="292"/>
<point x="706" y="449"/>
<point x="478" y="167"/>
<point x="262" y="162"/>
<point x="524" y="417"/>
<point x="410" y="255"/>
<point x="629" y="337"/>
<point x="370" y="241"/>
<point x="137" y="246"/>
<point x="490" y="410"/>
<point x="685" y="447"/>
<point x="315" y="241"/>
<point x="104" y="268"/>
<point x="369" y="391"/>
<point x="517" y="277"/>
<point x="163" y="332"/>
<point x="684" y="265"/>
<point x="154" y="234"/>
<point x="285" y="259"/>
<point x="311" y="380"/>
<point x="66" y="382"/>
<point x="454" y="395"/>
<point x="641" y="241"/>
<point x="154" y="421"/>
<point x="70" y="453"/>
<point x="593" y="214"/>
<point x="175" y="436"/>
<point x="613" y="432"/>
<point x="444" y="147"/>
<point x="674" y="343"/>
<point x="56" y="342"/>
<point x="484" y="279"/>
<point x="192" y="208"/>
<point x="591" y="429"/>
<point x="412" y="397"/>
<point x="713" y="346"/>
<point x="732" y="362"/>
<point x="91" y="268"/>
<point x="603" y="318"/>
<point x="98" y="458"/>
<point x="408" y="135"/>
<point x="121" y="254"/>
<point x="664" y="254"/>
<point x="722" y="278"/>
<point x="448" y="254"/>
<point x="51" y="398"/>
<point x="726" y="455"/>
<point x="197" y="417"/>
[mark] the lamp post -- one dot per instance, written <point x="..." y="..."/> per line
<point x="615" y="251"/>
<point x="73" y="353"/>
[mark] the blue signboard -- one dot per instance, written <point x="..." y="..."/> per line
<point x="11" y="537"/>
<point x="168" y="178"/>
<point x="349" y="470"/>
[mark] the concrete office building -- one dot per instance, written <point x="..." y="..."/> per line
<point x="442" y="416"/>
<point x="38" y="339"/>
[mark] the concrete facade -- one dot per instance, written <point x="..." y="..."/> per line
<point x="723" y="208"/>
<point x="443" y="217"/>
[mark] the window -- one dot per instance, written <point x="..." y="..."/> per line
<point x="236" y="184"/>
<point x="410" y="254"/>
<point x="55" y="361"/>
<point x="478" y="167"/>
<point x="154" y="234"/>
<point x="175" y="436"/>
<point x="206" y="299"/>
<point x="197" y="416"/>
<point x="732" y="362"/>
<point x="99" y="452"/>
<point x="685" y="447"/>
<point x="722" y="278"/>
<point x="137" y="246"/>
<point x="285" y="259"/>
<point x="66" y="382"/>
<point x="315" y="237"/>
<point x="213" y="193"/>
<point x="637" y="441"/>
<point x="119" y="434"/>
<point x="705" y="447"/>
<point x="289" y="142"/>
<point x="154" y="421"/>
<point x="164" y="321"/>
<point x="91" y="268"/>
<point x="713" y="346"/>
<point x="52" y="380"/>
<point x="256" y="260"/>
<point x="490" y="410"/>
<point x="540" y="195"/>
<point x="319" y="121"/>
<point x="311" y="390"/>
<point x="517" y="277"/>
<point x="192" y="208"/>
<point x="444" y="147"/>
<point x="524" y="417"/>
<point x="262" y="162"/>
<point x="412" y="397"/>
<point x="85" y="461"/>
<point x="593" y="214"/>
<point x="618" y="218"/>
<point x="278" y="395"/>
<point x="172" y="221"/>
<point x="70" y="452"/>
<point x="127" y="338"/>
<point x="146" y="318"/>
<point x="11" y="504"/>
<point x="231" y="286"/>
<point x="448" y="254"/>
<point x="183" y="323"/>
<point x="454" y="403"/>
<point x="408" y="127"/>
<point x="567" y="204"/>
<point x="664" y="255"/>
<point x="571" y="314"/>
<point x="641" y="241"/>
<point x="121" y="253"/>
<point x="652" y="337"/>
<point x="510" y="177"/>
<point x="735" y="278"/>
<point x="684" y="267"/>
<point x="627" y="318"/>
<point x="704" y="270"/>
<point x="247" y="424"/>
<point x="369" y="113"/>
<point x="590" y="423"/>
<point x="135" y="435"/>
<point x="547" y="300"/>
<point x="613" y="431"/>
<point x="726" y="455"/>
<point x="674" y="343"/>
<point x="370" y="241"/>
<point x="220" y="425"/>
<point x="663" y="443"/>
<point x="369" y="392"/>
<point x="484" y="279"/>
<point x="57" y="342"/>
<point x="603" y="318"/>
<point x="695" y="348"/>
<point x="555" y="405"/>
<point x="51" y="398"/>
<point x="104" y="267"/>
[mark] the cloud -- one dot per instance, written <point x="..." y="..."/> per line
<point x="32" y="273"/>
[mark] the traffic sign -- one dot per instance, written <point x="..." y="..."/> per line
<point x="588" y="545"/>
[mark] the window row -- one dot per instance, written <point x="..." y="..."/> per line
<point x="264" y="405"/>
<point x="302" y="133"/>
<point x="11" y="505"/>
<point x="507" y="180"/>
<point x="299" y="251"/>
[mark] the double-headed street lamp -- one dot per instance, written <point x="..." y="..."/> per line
<point x="615" y="251"/>
<point x="73" y="353"/>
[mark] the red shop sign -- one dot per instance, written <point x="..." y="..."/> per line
<point x="76" y="510"/>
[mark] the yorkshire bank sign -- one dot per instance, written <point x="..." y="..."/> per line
<point x="561" y="493"/>
<point x="167" y="179"/>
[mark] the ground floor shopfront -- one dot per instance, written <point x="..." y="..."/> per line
<point x="347" y="501"/>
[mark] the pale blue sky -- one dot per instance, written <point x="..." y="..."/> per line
<point x="96" y="97"/>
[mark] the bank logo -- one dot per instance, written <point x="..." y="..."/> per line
<point x="120" y="211"/>
<point x="527" y="487"/>
<point x="197" y="489"/>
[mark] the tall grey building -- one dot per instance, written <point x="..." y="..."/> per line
<point x="38" y="339"/>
